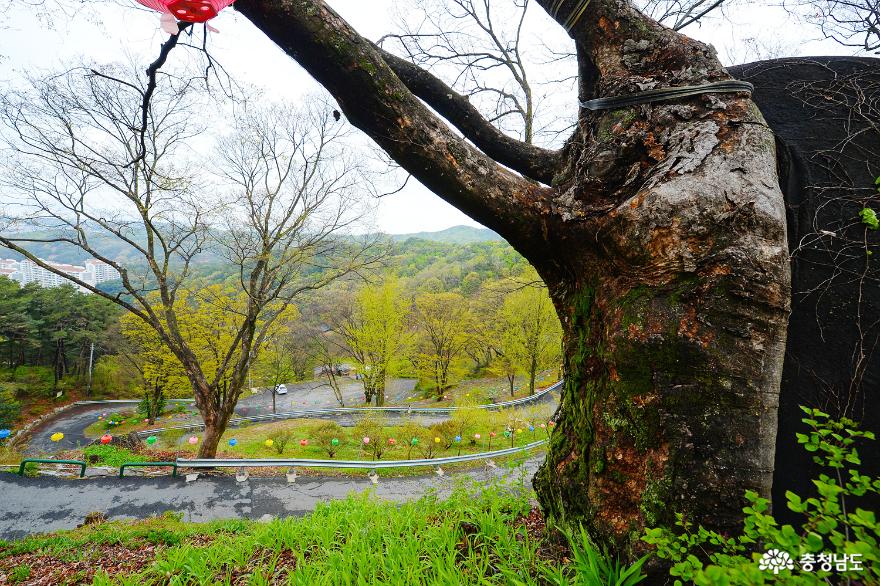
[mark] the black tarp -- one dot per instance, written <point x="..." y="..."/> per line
<point x="825" y="112"/>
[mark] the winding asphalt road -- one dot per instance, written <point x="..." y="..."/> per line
<point x="72" y="424"/>
<point x="45" y="503"/>
<point x="38" y="505"/>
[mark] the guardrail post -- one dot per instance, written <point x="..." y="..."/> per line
<point x="80" y="463"/>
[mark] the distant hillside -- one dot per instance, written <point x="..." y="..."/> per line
<point x="454" y="235"/>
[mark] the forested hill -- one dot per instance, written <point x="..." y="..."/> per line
<point x="459" y="258"/>
<point x="453" y="235"/>
<point x="115" y="249"/>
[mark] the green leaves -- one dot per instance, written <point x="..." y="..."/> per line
<point x="704" y="558"/>
<point x="869" y="218"/>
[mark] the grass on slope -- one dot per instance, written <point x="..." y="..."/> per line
<point x="477" y="536"/>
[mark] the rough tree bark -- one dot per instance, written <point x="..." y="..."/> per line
<point x="659" y="230"/>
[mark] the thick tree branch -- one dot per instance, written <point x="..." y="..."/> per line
<point x="376" y="101"/>
<point x="533" y="162"/>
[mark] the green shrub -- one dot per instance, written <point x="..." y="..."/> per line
<point x="152" y="405"/>
<point x="324" y="435"/>
<point x="374" y="427"/>
<point x="831" y="525"/>
<point x="10" y="409"/>
<point x="280" y="439"/>
<point x="111" y="456"/>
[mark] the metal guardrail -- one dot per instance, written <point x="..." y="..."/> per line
<point x="80" y="463"/>
<point x="148" y="465"/>
<point x="302" y="413"/>
<point x="127" y="401"/>
<point x="361" y="464"/>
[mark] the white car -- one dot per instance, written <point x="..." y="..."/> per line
<point x="281" y="390"/>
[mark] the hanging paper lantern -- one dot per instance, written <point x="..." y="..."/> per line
<point x="5" y="433"/>
<point x="457" y="439"/>
<point x="100" y="418"/>
<point x="519" y="431"/>
<point x="56" y="437"/>
<point x="507" y="433"/>
<point x="106" y="438"/>
<point x="187" y="10"/>
<point x="152" y="440"/>
<point x="436" y="440"/>
<point x="551" y="423"/>
<point x="492" y="434"/>
<point x="334" y="442"/>
<point x="104" y="415"/>
<point x="543" y="426"/>
<point x="476" y="436"/>
<point x="531" y="427"/>
<point x="391" y="441"/>
<point x="233" y="442"/>
<point x="269" y="443"/>
<point x="193" y="440"/>
<point x="414" y="441"/>
<point x="366" y="440"/>
<point x="303" y="442"/>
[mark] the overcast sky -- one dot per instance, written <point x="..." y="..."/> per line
<point x="108" y="31"/>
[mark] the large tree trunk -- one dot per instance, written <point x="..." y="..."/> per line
<point x="213" y="432"/>
<point x="660" y="232"/>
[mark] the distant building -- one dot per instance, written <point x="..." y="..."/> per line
<point x="27" y="271"/>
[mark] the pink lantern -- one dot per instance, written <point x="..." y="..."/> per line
<point x="193" y="440"/>
<point x="187" y="10"/>
<point x="391" y="441"/>
<point x="304" y="442"/>
<point x="476" y="436"/>
<point x="106" y="438"/>
<point x="366" y="440"/>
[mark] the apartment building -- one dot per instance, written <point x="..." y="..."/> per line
<point x="26" y="271"/>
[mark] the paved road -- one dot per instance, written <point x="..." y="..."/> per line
<point x="38" y="505"/>
<point x="318" y="394"/>
<point x="72" y="424"/>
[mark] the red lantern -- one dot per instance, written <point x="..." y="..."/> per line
<point x="188" y="10"/>
<point x="106" y="439"/>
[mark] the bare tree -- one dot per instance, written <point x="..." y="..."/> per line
<point x="851" y="23"/>
<point x="476" y="39"/>
<point x="82" y="166"/>
<point x="680" y="14"/>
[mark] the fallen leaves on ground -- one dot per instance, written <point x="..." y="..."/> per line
<point x="46" y="570"/>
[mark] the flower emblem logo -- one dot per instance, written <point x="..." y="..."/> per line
<point x="775" y="560"/>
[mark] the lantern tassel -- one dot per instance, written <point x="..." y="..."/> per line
<point x="169" y="23"/>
